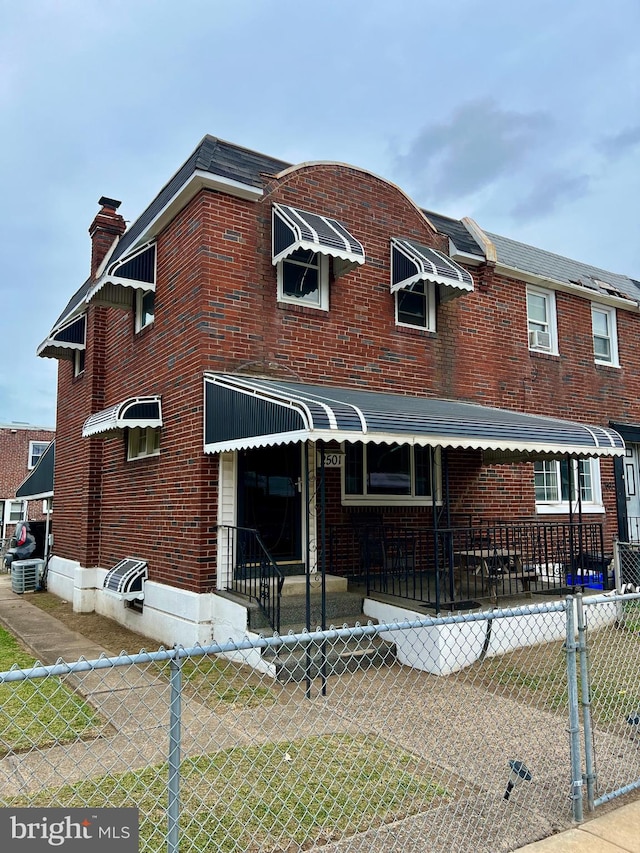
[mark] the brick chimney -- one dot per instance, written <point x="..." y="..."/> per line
<point x="103" y="230"/>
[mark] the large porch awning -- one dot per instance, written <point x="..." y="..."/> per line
<point x="38" y="484"/>
<point x="134" y="412"/>
<point x="243" y="412"/>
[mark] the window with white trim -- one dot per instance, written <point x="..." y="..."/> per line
<point x="15" y="511"/>
<point x="78" y="362"/>
<point x="415" y="306"/>
<point x="143" y="442"/>
<point x="36" y="449"/>
<point x="145" y="308"/>
<point x="605" y="336"/>
<point x="387" y="474"/>
<point x="551" y="484"/>
<point x="303" y="279"/>
<point x="541" y="320"/>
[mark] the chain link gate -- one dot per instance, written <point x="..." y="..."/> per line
<point x="442" y="734"/>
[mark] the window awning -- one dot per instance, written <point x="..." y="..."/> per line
<point x="134" y="412"/>
<point x="298" y="229"/>
<point x="242" y="412"/>
<point x="411" y="263"/>
<point x="135" y="271"/>
<point x="126" y="579"/>
<point x="39" y="482"/>
<point x="63" y="341"/>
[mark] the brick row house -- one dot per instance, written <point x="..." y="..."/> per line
<point x="280" y="372"/>
<point x="22" y="446"/>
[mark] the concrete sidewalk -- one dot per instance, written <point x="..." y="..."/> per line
<point x="48" y="640"/>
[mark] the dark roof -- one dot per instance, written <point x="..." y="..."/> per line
<point x="456" y="231"/>
<point x="520" y="256"/>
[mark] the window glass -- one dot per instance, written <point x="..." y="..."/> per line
<point x="36" y="449"/>
<point x="552" y="484"/>
<point x="388" y="469"/>
<point x="412" y="305"/>
<point x="143" y="442"/>
<point x="378" y="473"/>
<point x="301" y="276"/>
<point x="145" y="308"/>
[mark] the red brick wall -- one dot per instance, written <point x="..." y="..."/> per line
<point x="216" y="309"/>
<point x="14" y="466"/>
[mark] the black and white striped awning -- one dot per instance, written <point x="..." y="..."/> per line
<point x="298" y="229"/>
<point x="63" y="341"/>
<point x="135" y="271"/>
<point x="412" y="263"/>
<point x="134" y="412"/>
<point x="126" y="579"/>
<point x="242" y="412"/>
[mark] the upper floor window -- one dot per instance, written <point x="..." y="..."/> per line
<point x="541" y="320"/>
<point x="303" y="279"/>
<point x="553" y="483"/>
<point x="415" y="306"/>
<point x="36" y="449"/>
<point x="78" y="362"/>
<point x="145" y="304"/>
<point x="143" y="441"/>
<point x="605" y="338"/>
<point x="386" y="474"/>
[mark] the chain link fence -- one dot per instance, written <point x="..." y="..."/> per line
<point x="441" y="734"/>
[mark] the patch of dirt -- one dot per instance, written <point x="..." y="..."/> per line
<point x="113" y="636"/>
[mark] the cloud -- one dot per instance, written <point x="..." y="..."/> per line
<point x="480" y="144"/>
<point x="549" y="193"/>
<point x="617" y="144"/>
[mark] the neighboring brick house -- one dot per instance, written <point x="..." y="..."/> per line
<point x="21" y="446"/>
<point x="257" y="313"/>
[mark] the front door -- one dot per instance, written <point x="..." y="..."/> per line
<point x="632" y="487"/>
<point x="269" y="498"/>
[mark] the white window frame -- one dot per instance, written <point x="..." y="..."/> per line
<point x="611" y="336"/>
<point x="79" y="356"/>
<point x="142" y="442"/>
<point x="32" y="444"/>
<point x="141" y="321"/>
<point x="321" y="263"/>
<point x="7" y="511"/>
<point x="560" y="506"/>
<point x="429" y="296"/>
<point x="394" y="500"/>
<point x="536" y="328"/>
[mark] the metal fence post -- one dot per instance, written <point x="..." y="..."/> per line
<point x="585" y="687"/>
<point x="173" y="807"/>
<point x="574" y="716"/>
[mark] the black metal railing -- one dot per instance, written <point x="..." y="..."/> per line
<point x="250" y="569"/>
<point x="456" y="566"/>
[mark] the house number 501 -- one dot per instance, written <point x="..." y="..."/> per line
<point x="332" y="459"/>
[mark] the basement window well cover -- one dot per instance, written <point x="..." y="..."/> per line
<point x="133" y="412"/>
<point x="125" y="580"/>
<point x="412" y="263"/>
<point x="295" y="229"/>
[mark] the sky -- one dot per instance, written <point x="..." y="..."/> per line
<point x="522" y="115"/>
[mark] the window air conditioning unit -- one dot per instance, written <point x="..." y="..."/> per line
<point x="540" y="340"/>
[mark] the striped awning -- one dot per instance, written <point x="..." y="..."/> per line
<point x="295" y="229"/>
<point x="135" y="271"/>
<point x="126" y="579"/>
<point x="63" y="341"/>
<point x="39" y="481"/>
<point x="412" y="263"/>
<point x="242" y="412"/>
<point x="134" y="412"/>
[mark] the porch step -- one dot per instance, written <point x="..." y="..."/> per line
<point x="338" y="656"/>
<point x="340" y="608"/>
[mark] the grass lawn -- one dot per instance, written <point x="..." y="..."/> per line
<point x="41" y="711"/>
<point x="265" y="796"/>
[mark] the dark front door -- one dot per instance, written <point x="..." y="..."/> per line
<point x="269" y="498"/>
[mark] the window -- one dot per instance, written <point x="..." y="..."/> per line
<point x="415" y="306"/>
<point x="551" y="484"/>
<point x="605" y="338"/>
<point x="16" y="511"/>
<point x="143" y="441"/>
<point x="47" y="506"/>
<point x="36" y="449"/>
<point x="386" y="473"/>
<point x="145" y="304"/>
<point x="541" y="320"/>
<point x="78" y="362"/>
<point x="303" y="279"/>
